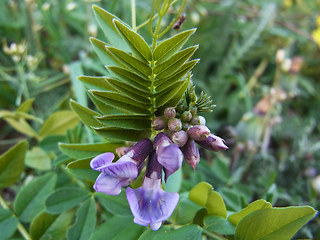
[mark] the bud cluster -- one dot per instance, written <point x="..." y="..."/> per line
<point x="185" y="128"/>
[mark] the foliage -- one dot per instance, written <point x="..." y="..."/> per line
<point x="266" y="110"/>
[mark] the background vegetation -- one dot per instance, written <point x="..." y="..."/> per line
<point x="267" y="106"/>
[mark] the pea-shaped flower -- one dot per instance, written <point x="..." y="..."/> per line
<point x="115" y="175"/>
<point x="150" y="204"/>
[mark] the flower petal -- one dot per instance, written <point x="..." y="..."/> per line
<point x="101" y="161"/>
<point x="123" y="168"/>
<point x="170" y="157"/>
<point x="151" y="204"/>
<point x="110" y="185"/>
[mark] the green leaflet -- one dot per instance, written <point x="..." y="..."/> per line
<point x="128" y="76"/>
<point x="80" y="151"/>
<point x="31" y="198"/>
<point x="174" y="63"/>
<point x="129" y="122"/>
<point x="134" y="41"/>
<point x="8" y="223"/>
<point x="273" y="223"/>
<point x="117" y="133"/>
<point x="81" y="169"/>
<point x="105" y="20"/>
<point x="105" y="56"/>
<point x="96" y="83"/>
<point x="131" y="62"/>
<point x="85" y="221"/>
<point x="168" y="47"/>
<point x="86" y="115"/>
<point x="12" y="164"/>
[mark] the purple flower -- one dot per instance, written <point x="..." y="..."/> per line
<point x="191" y="153"/>
<point x="115" y="175"/>
<point x="180" y="138"/>
<point x="213" y="142"/>
<point x="150" y="204"/>
<point x="168" y="153"/>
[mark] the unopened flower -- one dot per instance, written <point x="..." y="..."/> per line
<point x="174" y="124"/>
<point x="168" y="153"/>
<point x="198" y="120"/>
<point x="115" y="175"/>
<point x="213" y="142"/>
<point x="186" y="116"/>
<point x="191" y="153"/>
<point x="158" y="123"/>
<point x="180" y="138"/>
<point x="120" y="151"/>
<point x="198" y="132"/>
<point x="150" y="204"/>
<point x="170" y="112"/>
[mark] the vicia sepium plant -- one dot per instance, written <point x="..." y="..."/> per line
<point x="146" y="97"/>
<point x="147" y="100"/>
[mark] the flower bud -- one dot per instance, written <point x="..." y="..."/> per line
<point x="186" y="116"/>
<point x="198" y="120"/>
<point x="198" y="132"/>
<point x="191" y="153"/>
<point x="286" y="65"/>
<point x="213" y="142"/>
<point x="193" y="110"/>
<point x="158" y="123"/>
<point x="174" y="124"/>
<point x="170" y="112"/>
<point x="180" y="138"/>
<point x="185" y="126"/>
<point x="181" y="107"/>
<point x="316" y="184"/>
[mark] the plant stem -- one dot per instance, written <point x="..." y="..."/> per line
<point x="133" y="15"/>
<point x="21" y="228"/>
<point x="213" y="235"/>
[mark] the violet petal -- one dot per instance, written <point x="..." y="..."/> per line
<point x="110" y="185"/>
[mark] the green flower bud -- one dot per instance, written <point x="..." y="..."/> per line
<point x="186" y="116"/>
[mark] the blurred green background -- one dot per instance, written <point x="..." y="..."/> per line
<point x="260" y="62"/>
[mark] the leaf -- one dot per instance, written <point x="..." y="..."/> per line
<point x="105" y="56"/>
<point x="31" y="197"/>
<point x="130" y="86"/>
<point x="22" y="126"/>
<point x="58" y="123"/>
<point x="134" y="41"/>
<point x="115" y="133"/>
<point x="46" y="226"/>
<point x="134" y="122"/>
<point x="102" y="106"/>
<point x="80" y="151"/>
<point x="273" y="223"/>
<point x="78" y="90"/>
<point x="203" y="195"/>
<point x="12" y="164"/>
<point x="217" y="224"/>
<point x="168" y="47"/>
<point x="175" y="92"/>
<point x="50" y="143"/>
<point x="173" y="64"/>
<point x="189" y="232"/>
<point x="121" y="102"/>
<point x="96" y="83"/>
<point x="85" y="221"/>
<point x="185" y="211"/>
<point x="117" y="205"/>
<point x="105" y="20"/>
<point x="256" y="205"/>
<point x="38" y="159"/>
<point x="8" y="223"/>
<point x="65" y="199"/>
<point x="131" y="62"/>
<point x="81" y="169"/>
<point x="151" y="235"/>
<point x="113" y="226"/>
<point x="131" y="231"/>
<point x="25" y="106"/>
<point x="86" y="115"/>
<point x="128" y="76"/>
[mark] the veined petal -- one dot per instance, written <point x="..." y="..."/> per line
<point x="110" y="185"/>
<point x="150" y="204"/>
<point x="170" y="157"/>
<point x="123" y="168"/>
<point x="102" y="160"/>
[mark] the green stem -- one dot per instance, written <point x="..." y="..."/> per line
<point x="214" y="235"/>
<point x="21" y="228"/>
<point x="133" y="15"/>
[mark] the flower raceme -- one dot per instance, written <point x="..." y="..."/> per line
<point x="150" y="204"/>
